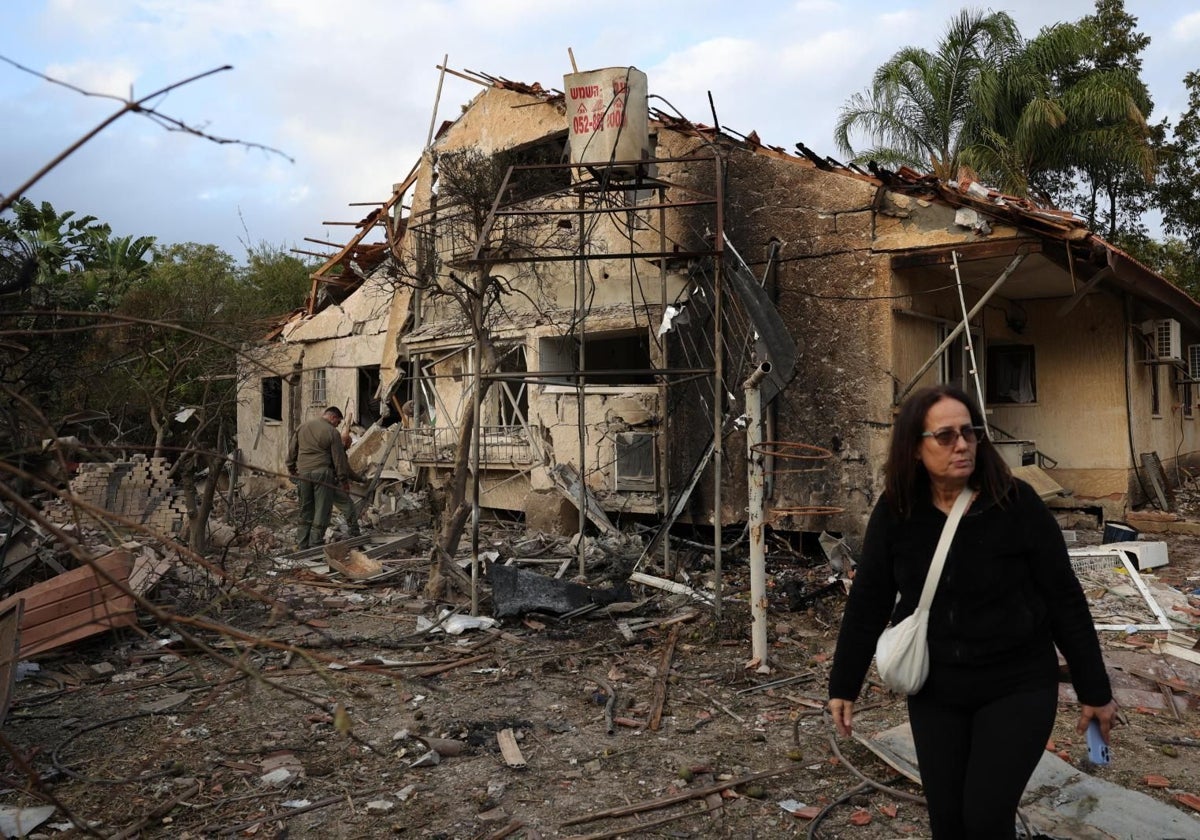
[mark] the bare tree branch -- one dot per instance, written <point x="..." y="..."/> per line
<point x="127" y="105"/>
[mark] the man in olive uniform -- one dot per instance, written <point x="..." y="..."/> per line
<point x="317" y="459"/>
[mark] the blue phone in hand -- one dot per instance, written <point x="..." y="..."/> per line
<point x="1097" y="749"/>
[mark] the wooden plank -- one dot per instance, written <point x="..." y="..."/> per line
<point x="116" y="563"/>
<point x="75" y="604"/>
<point x="1158" y="480"/>
<point x="10" y="644"/>
<point x="1178" y="652"/>
<point x="78" y="602"/>
<point x="509" y="749"/>
<point x="95" y="618"/>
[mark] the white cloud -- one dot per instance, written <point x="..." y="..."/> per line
<point x="1187" y="28"/>
<point x="347" y="87"/>
<point x="113" y="78"/>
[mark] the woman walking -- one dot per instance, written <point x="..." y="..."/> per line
<point x="1006" y="597"/>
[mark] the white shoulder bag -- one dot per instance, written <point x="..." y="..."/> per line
<point x="902" y="652"/>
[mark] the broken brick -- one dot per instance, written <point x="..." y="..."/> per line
<point x="1188" y="799"/>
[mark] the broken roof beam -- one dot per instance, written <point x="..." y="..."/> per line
<point x="318" y="276"/>
<point x="921" y="257"/>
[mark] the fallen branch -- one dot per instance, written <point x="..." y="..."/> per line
<point x="642" y="827"/>
<point x="1175" y="742"/>
<point x="292" y="812"/>
<point x="441" y="669"/>
<point x="662" y="802"/>
<point x="609" y="704"/>
<point x="720" y="705"/>
<point x="660" y="683"/>
<point x="158" y="813"/>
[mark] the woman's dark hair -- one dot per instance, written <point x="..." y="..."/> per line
<point x="905" y="475"/>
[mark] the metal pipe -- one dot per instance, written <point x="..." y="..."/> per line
<point x="962" y="303"/>
<point x="664" y="388"/>
<point x="718" y="383"/>
<point x="477" y="404"/>
<point x="581" y="385"/>
<point x="756" y="519"/>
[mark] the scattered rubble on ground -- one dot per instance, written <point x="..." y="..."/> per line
<point x="319" y="693"/>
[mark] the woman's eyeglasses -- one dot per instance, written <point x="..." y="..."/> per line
<point x="949" y="437"/>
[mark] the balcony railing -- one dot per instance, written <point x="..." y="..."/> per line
<point x="499" y="445"/>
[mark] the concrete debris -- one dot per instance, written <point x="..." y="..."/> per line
<point x="840" y="558"/>
<point x="1061" y="800"/>
<point x="18" y="822"/>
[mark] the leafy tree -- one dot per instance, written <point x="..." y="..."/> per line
<point x="1111" y="143"/>
<point x="277" y="280"/>
<point x="918" y="102"/>
<point x="1178" y="191"/>
<point x="1173" y="258"/>
<point x="1051" y="115"/>
<point x="171" y="372"/>
<point x="52" y="265"/>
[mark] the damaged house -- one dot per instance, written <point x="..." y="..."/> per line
<point x="632" y="290"/>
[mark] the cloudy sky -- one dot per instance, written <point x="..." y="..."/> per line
<point x="346" y="89"/>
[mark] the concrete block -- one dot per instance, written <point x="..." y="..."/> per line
<point x="548" y="512"/>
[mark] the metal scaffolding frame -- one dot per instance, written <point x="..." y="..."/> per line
<point x="597" y="192"/>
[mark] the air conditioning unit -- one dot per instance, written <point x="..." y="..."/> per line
<point x="1193" y="359"/>
<point x="1167" y="346"/>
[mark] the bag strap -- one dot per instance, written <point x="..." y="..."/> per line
<point x="943" y="548"/>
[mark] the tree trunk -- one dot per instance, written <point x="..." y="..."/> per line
<point x="160" y="432"/>
<point x="198" y="538"/>
<point x="444" y="571"/>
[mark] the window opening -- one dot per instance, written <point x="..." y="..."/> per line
<point x="1155" y="396"/>
<point x="634" y="462"/>
<point x="272" y="398"/>
<point x="1011" y="374"/>
<point x="513" y="394"/>
<point x="368" y="391"/>
<point x="954" y="367"/>
<point x="316" y="386"/>
<point x="625" y="358"/>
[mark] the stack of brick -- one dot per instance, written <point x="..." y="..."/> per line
<point x="139" y="489"/>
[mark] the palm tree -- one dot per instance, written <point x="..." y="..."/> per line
<point x="918" y="102"/>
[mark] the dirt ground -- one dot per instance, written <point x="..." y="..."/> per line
<point x="312" y="715"/>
